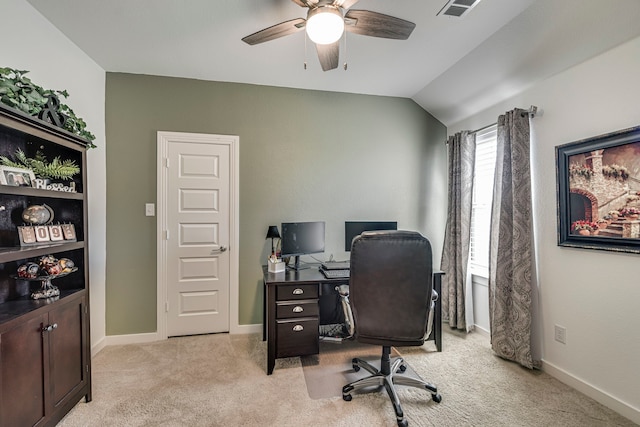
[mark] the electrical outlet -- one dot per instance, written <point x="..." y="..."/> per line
<point x="561" y="334"/>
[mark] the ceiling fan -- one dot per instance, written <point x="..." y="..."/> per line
<point x="325" y="23"/>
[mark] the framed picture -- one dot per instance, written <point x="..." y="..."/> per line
<point x="16" y="177"/>
<point x="599" y="192"/>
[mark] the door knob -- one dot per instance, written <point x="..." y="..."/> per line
<point x="219" y="250"/>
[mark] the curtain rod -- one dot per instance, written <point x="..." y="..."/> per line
<point x="531" y="112"/>
<point x="483" y="128"/>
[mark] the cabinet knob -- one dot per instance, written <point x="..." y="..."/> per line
<point x="50" y="328"/>
<point x="298" y="328"/>
<point x="298" y="309"/>
<point x="298" y="291"/>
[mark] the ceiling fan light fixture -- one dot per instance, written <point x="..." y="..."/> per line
<point x="325" y="25"/>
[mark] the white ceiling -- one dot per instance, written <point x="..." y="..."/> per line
<point x="452" y="67"/>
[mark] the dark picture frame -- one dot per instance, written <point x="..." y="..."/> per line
<point x="598" y="192"/>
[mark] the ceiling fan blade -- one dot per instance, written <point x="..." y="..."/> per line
<point x="329" y="55"/>
<point x="305" y="3"/>
<point x="376" y="24"/>
<point x="279" y="30"/>
<point x="345" y="4"/>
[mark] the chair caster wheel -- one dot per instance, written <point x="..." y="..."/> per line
<point x="403" y="423"/>
<point x="436" y="398"/>
<point x="402" y="368"/>
<point x="356" y="368"/>
<point x="347" y="397"/>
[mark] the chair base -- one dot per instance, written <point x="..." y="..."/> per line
<point x="389" y="375"/>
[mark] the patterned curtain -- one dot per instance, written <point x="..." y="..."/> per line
<point x="511" y="243"/>
<point x="457" y="304"/>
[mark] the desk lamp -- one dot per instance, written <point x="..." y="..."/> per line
<point x="273" y="233"/>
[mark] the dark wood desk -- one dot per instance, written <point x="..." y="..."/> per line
<point x="292" y="312"/>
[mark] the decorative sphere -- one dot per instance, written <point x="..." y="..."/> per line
<point x="37" y="214"/>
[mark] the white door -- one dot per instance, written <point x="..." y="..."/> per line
<point x="196" y="238"/>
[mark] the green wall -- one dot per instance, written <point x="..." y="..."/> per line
<point x="304" y="156"/>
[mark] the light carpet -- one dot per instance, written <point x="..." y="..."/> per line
<point x="220" y="380"/>
<point x="325" y="373"/>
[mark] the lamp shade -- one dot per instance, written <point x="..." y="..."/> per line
<point x="325" y="24"/>
<point x="272" y="232"/>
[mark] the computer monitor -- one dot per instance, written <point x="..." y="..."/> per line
<point x="355" y="228"/>
<point x="302" y="238"/>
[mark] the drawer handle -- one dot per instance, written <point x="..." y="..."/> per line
<point x="298" y="291"/>
<point x="298" y="309"/>
<point x="298" y="328"/>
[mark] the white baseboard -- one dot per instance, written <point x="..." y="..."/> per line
<point x="482" y="331"/>
<point x="600" y="396"/>
<point x="131" y="338"/>
<point x="246" y="329"/>
<point x="153" y="336"/>
<point x="98" y="346"/>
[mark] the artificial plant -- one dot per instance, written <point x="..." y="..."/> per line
<point x="19" y="92"/>
<point x="56" y="169"/>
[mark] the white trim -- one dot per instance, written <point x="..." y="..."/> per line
<point x="480" y="280"/>
<point x="161" y="248"/>
<point x="596" y="394"/>
<point x="131" y="339"/>
<point x="248" y="329"/>
<point x="234" y="230"/>
<point x="163" y="139"/>
<point x="479" y="272"/>
<point x="481" y="331"/>
<point x="98" y="346"/>
<point x="110" y="340"/>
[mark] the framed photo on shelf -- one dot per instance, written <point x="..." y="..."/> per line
<point x="16" y="177"/>
<point x="598" y="192"/>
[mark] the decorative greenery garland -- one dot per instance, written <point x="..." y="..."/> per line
<point x="19" y="92"/>
<point x="57" y="169"/>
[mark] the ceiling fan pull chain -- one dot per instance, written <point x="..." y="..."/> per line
<point x="345" y="51"/>
<point x="305" y="51"/>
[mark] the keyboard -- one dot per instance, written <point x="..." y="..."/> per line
<point x="335" y="274"/>
<point x="336" y="265"/>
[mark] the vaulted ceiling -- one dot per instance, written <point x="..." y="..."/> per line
<point x="452" y="67"/>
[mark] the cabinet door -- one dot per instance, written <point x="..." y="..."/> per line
<point x="66" y="350"/>
<point x="22" y="393"/>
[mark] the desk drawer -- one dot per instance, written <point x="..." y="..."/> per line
<point x="298" y="337"/>
<point x="289" y="292"/>
<point x="295" y="309"/>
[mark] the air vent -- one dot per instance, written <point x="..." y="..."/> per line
<point x="457" y="8"/>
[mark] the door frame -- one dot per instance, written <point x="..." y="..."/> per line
<point x="163" y="140"/>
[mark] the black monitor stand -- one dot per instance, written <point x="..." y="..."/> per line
<point x="296" y="264"/>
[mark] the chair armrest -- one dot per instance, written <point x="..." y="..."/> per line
<point x="432" y="309"/>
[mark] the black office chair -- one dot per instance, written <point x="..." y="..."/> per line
<point x="390" y="294"/>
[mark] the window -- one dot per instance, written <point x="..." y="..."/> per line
<point x="482" y="198"/>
